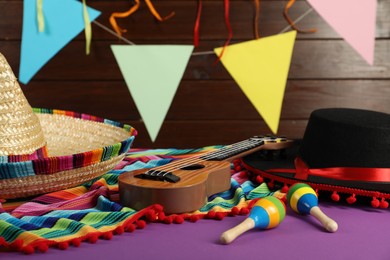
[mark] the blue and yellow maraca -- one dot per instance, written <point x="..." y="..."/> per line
<point x="303" y="200"/>
<point x="267" y="213"/>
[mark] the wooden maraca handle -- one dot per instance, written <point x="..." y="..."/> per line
<point x="328" y="223"/>
<point x="228" y="236"/>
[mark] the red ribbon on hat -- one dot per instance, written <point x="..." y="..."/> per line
<point x="338" y="173"/>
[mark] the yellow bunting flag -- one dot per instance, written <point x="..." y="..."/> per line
<point x="260" y="67"/>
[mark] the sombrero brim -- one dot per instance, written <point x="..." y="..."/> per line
<point x="280" y="169"/>
<point x="80" y="148"/>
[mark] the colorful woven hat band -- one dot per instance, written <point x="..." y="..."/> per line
<point x="80" y="147"/>
<point x="52" y="164"/>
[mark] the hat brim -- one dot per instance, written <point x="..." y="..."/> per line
<point x="80" y="148"/>
<point x="281" y="169"/>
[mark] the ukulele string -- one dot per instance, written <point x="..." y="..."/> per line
<point x="213" y="154"/>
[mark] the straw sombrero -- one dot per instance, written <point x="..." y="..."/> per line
<point x="46" y="150"/>
<point x="343" y="151"/>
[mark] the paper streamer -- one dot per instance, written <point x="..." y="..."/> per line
<point x="88" y="28"/>
<point x="40" y="18"/>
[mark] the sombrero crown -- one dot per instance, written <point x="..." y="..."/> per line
<point x="20" y="131"/>
<point x="343" y="151"/>
<point x="45" y="150"/>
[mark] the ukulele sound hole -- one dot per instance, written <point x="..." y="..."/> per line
<point x="193" y="167"/>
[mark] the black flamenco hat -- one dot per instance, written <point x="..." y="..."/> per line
<point x="343" y="151"/>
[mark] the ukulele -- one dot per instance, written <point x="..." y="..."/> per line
<point x="184" y="185"/>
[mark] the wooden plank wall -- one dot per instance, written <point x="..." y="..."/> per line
<point x="209" y="107"/>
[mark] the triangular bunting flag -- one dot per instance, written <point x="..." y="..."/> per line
<point x="63" y="21"/>
<point x="353" y="20"/>
<point x="260" y="67"/>
<point x="152" y="74"/>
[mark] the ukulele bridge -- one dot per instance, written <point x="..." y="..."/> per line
<point x="158" y="176"/>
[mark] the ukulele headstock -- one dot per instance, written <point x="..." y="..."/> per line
<point x="273" y="147"/>
<point x="270" y="139"/>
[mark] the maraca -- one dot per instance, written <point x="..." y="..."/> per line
<point x="303" y="200"/>
<point x="267" y="213"/>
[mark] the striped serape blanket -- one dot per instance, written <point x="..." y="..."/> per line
<point x="92" y="211"/>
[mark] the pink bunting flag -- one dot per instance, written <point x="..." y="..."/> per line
<point x="353" y="20"/>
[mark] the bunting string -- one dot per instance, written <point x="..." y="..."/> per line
<point x="113" y="33"/>
<point x="199" y="53"/>
<point x="291" y="22"/>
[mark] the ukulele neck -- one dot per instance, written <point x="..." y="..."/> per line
<point x="240" y="149"/>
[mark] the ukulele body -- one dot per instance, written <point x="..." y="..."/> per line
<point x="197" y="182"/>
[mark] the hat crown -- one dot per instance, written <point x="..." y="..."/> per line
<point x="341" y="137"/>
<point x="21" y="136"/>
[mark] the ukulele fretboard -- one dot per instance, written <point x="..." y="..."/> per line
<point x="237" y="148"/>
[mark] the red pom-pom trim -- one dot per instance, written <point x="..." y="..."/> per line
<point x="238" y="168"/>
<point x="375" y="202"/>
<point x="235" y="211"/>
<point x="219" y="216"/>
<point x="130" y="227"/>
<point x="335" y="196"/>
<point x="285" y="188"/>
<point x="178" y="219"/>
<point x="16" y="245"/>
<point x="244" y="211"/>
<point x="384" y="204"/>
<point x="243" y="174"/>
<point x="259" y="179"/>
<point x="93" y="238"/>
<point x="211" y="214"/>
<point x="2" y="241"/>
<point x="237" y="162"/>
<point x="76" y="242"/>
<point x="168" y="220"/>
<point x="141" y="224"/>
<point x="351" y="199"/>
<point x="161" y="215"/>
<point x="194" y="218"/>
<point x="119" y="230"/>
<point x="151" y="215"/>
<point x="107" y="236"/>
<point x="158" y="207"/>
<point x="28" y="250"/>
<point x="42" y="247"/>
<point x="63" y="245"/>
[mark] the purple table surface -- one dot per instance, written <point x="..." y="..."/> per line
<point x="364" y="233"/>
